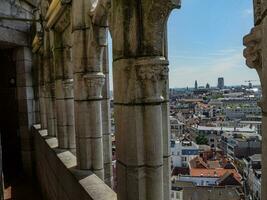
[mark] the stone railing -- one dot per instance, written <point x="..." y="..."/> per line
<point x="58" y="176"/>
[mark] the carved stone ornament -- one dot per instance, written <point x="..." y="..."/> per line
<point x="151" y="76"/>
<point x="144" y="80"/>
<point x="94" y="83"/>
<point x="252" y="52"/>
<point x="55" y="10"/>
<point x="68" y="88"/>
<point x="257" y="11"/>
<point x="64" y="21"/>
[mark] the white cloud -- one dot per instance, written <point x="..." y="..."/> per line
<point x="228" y="63"/>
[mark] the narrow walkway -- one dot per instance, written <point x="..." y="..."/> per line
<point x="22" y="189"/>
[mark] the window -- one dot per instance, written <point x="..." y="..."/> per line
<point x="177" y="195"/>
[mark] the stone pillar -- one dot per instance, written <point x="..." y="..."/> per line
<point x="166" y="129"/>
<point x="36" y="102"/>
<point x="23" y="58"/>
<point x="49" y="82"/>
<point x="105" y="105"/>
<point x="42" y="98"/>
<point x="255" y="54"/>
<point x="64" y="95"/>
<point x="90" y="34"/>
<point x="140" y="74"/>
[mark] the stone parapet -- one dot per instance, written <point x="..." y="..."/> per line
<point x="58" y="175"/>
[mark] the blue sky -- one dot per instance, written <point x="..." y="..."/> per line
<point x="205" y="42"/>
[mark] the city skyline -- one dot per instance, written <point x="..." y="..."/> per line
<point x="200" y="48"/>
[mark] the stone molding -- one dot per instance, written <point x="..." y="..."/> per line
<point x="37" y="43"/>
<point x="55" y="11"/>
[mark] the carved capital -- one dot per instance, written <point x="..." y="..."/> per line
<point x="68" y="88"/>
<point x="253" y="49"/>
<point x="144" y="80"/>
<point x="151" y="77"/>
<point x="94" y="83"/>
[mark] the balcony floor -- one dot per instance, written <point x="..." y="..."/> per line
<point x="22" y="189"/>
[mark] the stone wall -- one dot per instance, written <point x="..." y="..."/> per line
<point x="58" y="176"/>
<point x="15" y="32"/>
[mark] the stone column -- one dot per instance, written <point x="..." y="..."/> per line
<point x="23" y="58"/>
<point x="49" y="82"/>
<point x="89" y="34"/>
<point x="166" y="129"/>
<point x="105" y="105"/>
<point x="64" y="94"/>
<point x="36" y="81"/>
<point x="42" y="101"/>
<point x="140" y="74"/>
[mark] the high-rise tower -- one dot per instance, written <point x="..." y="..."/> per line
<point x="221" y="82"/>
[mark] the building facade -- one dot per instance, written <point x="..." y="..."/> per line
<point x="183" y="150"/>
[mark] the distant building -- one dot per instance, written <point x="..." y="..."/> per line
<point x="177" y="128"/>
<point x="183" y="150"/>
<point x="188" y="191"/>
<point x="208" y="86"/>
<point x="241" y="145"/>
<point x="215" y="170"/>
<point x="221" y="83"/>
<point x="196" y="85"/>
<point x="256" y="124"/>
<point x="241" y="110"/>
<point x="214" y="133"/>
<point x="214" y="179"/>
<point x="252" y="176"/>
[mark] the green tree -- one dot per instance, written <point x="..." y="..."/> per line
<point x="201" y="139"/>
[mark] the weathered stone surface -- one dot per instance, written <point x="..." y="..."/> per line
<point x="89" y="31"/>
<point x="59" y="178"/>
<point x="254" y="53"/>
<point x="140" y="72"/>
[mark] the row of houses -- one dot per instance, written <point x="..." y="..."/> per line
<point x="208" y="175"/>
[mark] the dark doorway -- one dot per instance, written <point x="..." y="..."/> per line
<point x="9" y="125"/>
